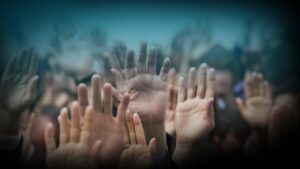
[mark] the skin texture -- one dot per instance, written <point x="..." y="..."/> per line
<point x="147" y="91"/>
<point x="75" y="149"/>
<point x="194" y="118"/>
<point x="110" y="130"/>
<point x="18" y="87"/>
<point x="137" y="154"/>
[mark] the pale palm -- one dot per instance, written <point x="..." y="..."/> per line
<point x="194" y="117"/>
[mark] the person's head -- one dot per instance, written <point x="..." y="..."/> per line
<point x="221" y="60"/>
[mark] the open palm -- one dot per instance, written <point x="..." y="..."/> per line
<point x="148" y="95"/>
<point x="257" y="106"/>
<point x="18" y="82"/>
<point x="194" y="113"/>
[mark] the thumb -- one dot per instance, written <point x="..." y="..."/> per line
<point x="31" y="87"/>
<point x="152" y="147"/>
<point x="95" y="151"/>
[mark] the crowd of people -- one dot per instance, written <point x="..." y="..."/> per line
<point x="137" y="114"/>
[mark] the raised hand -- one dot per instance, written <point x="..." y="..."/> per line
<point x="18" y="90"/>
<point x="18" y="82"/>
<point x="194" y="113"/>
<point x="148" y="92"/>
<point x="137" y="154"/>
<point x="74" y="150"/>
<point x="172" y="102"/>
<point x="194" y="118"/>
<point x="258" y="102"/>
<point x="106" y="127"/>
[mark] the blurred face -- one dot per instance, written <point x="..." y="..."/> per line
<point x="223" y="81"/>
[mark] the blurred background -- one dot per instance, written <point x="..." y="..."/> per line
<point x="75" y="39"/>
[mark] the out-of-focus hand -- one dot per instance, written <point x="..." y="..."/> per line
<point x="106" y="127"/>
<point x="194" y="113"/>
<point x="258" y="102"/>
<point x="172" y="102"/>
<point x="148" y="92"/>
<point x="74" y="150"/>
<point x="137" y="154"/>
<point x="18" y="90"/>
<point x="18" y="82"/>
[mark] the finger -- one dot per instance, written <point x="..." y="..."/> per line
<point x="181" y="90"/>
<point x="151" y="64"/>
<point x="191" y="83"/>
<point x="33" y="67"/>
<point x="267" y="90"/>
<point x="249" y="91"/>
<point x="9" y="69"/>
<point x="164" y="69"/>
<point x="97" y="98"/>
<point x="130" y="70"/>
<point x="141" y="66"/>
<point x="202" y="80"/>
<point x="20" y="57"/>
<point x="117" y="97"/>
<point x="31" y="87"/>
<point x="171" y="77"/>
<point x="139" y="131"/>
<point x="63" y="127"/>
<point x="210" y="84"/>
<point x="152" y="147"/>
<point x="29" y="124"/>
<point x="118" y="78"/>
<point x="130" y="126"/>
<point x="261" y="89"/>
<point x="209" y="108"/>
<point x="75" y="122"/>
<point x="122" y="109"/>
<point x="49" y="139"/>
<point x="25" y="58"/>
<point x="257" y="82"/>
<point x="240" y="104"/>
<point x="86" y="133"/>
<point x="107" y="99"/>
<point x="82" y="97"/>
<point x="95" y="150"/>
